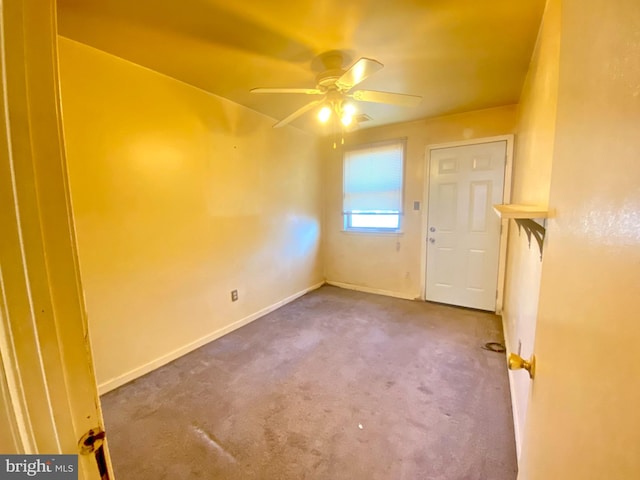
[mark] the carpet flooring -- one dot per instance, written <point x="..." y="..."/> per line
<point x="335" y="385"/>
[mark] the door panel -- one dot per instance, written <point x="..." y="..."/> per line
<point x="447" y="198"/>
<point x="464" y="232"/>
<point x="480" y="196"/>
<point x="51" y="396"/>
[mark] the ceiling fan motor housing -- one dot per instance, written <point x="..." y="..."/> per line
<point x="328" y="78"/>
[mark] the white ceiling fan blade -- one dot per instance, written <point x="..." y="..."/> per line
<point x="360" y="70"/>
<point x="400" y="99"/>
<point x="298" y="113"/>
<point x="307" y="91"/>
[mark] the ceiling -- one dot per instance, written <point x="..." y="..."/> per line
<point x="459" y="55"/>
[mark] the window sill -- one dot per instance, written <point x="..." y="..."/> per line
<point x="374" y="233"/>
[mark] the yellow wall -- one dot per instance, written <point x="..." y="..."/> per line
<point x="180" y="197"/>
<point x="584" y="420"/>
<point x="391" y="263"/>
<point x="531" y="178"/>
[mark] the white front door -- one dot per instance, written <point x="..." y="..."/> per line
<point x="463" y="233"/>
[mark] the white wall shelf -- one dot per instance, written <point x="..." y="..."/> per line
<point x="521" y="211"/>
<point x="524" y="216"/>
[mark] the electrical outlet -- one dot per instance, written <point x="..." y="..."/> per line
<point x="234" y="295"/>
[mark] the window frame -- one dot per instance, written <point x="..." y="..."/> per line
<point x="348" y="216"/>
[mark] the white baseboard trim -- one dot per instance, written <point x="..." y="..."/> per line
<point x="514" y="402"/>
<point x="377" y="291"/>
<point x="137" y="372"/>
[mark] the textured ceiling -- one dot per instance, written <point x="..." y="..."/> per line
<point x="460" y="55"/>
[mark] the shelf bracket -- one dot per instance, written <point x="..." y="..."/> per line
<point x="532" y="228"/>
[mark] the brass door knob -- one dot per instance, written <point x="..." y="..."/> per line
<point x="516" y="362"/>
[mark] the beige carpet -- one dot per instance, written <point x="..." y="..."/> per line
<point x="336" y="385"/>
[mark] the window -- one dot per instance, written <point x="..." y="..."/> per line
<point x="372" y="196"/>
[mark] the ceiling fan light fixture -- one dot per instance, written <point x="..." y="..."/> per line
<point x="346" y="119"/>
<point x="324" y="114"/>
<point x="349" y="109"/>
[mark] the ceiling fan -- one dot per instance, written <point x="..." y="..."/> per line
<point x="334" y="88"/>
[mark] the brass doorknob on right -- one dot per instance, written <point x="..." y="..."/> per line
<point x="516" y="362"/>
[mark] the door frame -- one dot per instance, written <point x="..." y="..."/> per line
<point x="49" y="391"/>
<point x="506" y="198"/>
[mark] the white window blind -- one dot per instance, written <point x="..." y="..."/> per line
<point x="373" y="178"/>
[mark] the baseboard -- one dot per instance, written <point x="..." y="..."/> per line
<point x="514" y="402"/>
<point x="377" y="291"/>
<point x="127" y="377"/>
